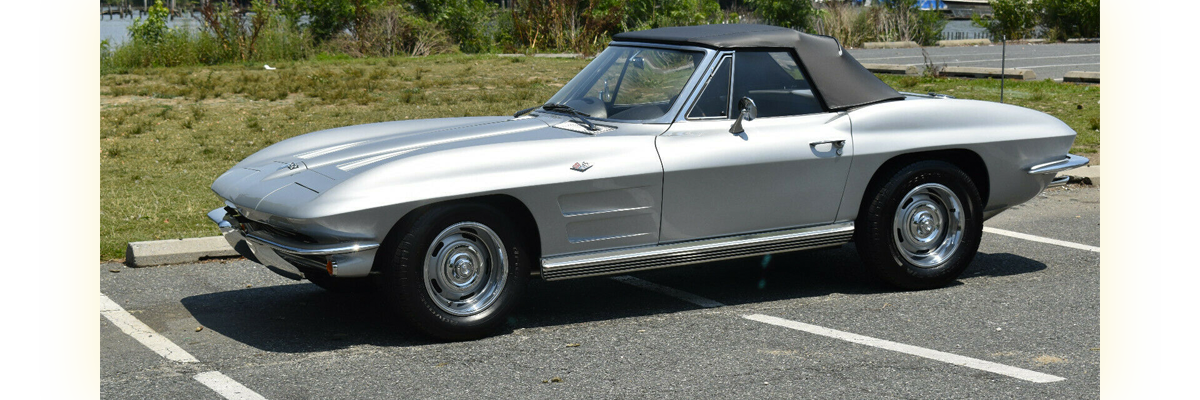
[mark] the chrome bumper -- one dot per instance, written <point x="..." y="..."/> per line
<point x="1069" y="162"/>
<point x="293" y="259"/>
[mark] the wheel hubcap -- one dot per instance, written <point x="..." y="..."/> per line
<point x="465" y="268"/>
<point x="928" y="225"/>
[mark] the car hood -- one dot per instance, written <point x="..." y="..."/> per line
<point x="300" y="168"/>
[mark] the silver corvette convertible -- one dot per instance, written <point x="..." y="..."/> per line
<point x="674" y="146"/>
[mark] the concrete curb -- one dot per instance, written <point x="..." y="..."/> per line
<point x="976" y="72"/>
<point x="964" y="42"/>
<point x="545" y="55"/>
<point x="890" y="45"/>
<point x="893" y="69"/>
<point x="159" y="252"/>
<point x="1082" y="77"/>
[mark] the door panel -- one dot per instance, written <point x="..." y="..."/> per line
<point x="769" y="177"/>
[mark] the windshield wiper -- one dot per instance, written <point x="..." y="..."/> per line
<point x="573" y="113"/>
<point x="525" y="111"/>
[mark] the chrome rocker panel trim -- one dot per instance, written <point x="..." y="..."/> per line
<point x="694" y="252"/>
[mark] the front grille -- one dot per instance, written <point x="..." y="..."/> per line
<point x="250" y="226"/>
<point x="281" y="233"/>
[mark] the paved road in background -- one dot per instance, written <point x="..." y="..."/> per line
<point x="685" y="332"/>
<point x="1048" y="61"/>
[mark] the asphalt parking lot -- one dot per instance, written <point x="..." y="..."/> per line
<point x="1022" y="322"/>
<point x="1048" y="61"/>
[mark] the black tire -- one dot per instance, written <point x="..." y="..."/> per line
<point x="339" y="285"/>
<point x="929" y="241"/>
<point x="424" y="298"/>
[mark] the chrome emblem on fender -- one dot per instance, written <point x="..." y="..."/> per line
<point x="292" y="166"/>
<point x="581" y="166"/>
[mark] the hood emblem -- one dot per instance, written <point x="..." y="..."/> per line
<point x="581" y="166"/>
<point x="292" y="166"/>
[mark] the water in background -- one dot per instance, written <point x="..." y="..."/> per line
<point x="116" y="30"/>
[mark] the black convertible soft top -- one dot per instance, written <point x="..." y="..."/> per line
<point x="835" y="75"/>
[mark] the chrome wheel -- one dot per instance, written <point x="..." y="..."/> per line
<point x="465" y="269"/>
<point x="928" y="225"/>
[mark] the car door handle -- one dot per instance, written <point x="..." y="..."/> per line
<point x="837" y="144"/>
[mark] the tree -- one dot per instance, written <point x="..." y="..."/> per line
<point x="153" y="28"/>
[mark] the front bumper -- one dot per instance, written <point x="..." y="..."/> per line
<point x="292" y="258"/>
<point x="1069" y="162"/>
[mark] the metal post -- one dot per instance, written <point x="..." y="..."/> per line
<point x="1003" y="52"/>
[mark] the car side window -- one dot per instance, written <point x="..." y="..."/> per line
<point x="775" y="82"/>
<point x="714" y="100"/>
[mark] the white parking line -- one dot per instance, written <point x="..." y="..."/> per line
<point x="1020" y="235"/>
<point x="1019" y="373"/>
<point x="215" y="380"/>
<point x="138" y="330"/>
<point x="227" y="387"/>
<point x="669" y="291"/>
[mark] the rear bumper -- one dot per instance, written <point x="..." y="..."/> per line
<point x="290" y="258"/>
<point x="1069" y="162"/>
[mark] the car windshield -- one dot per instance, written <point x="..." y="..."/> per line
<point x="629" y="83"/>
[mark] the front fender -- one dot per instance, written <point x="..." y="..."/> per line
<point x="615" y="202"/>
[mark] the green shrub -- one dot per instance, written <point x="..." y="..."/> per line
<point x="326" y="18"/>
<point x="798" y="15"/>
<point x="1012" y="19"/>
<point x="928" y="27"/>
<point x="1064" y="19"/>
<point x="583" y="26"/>
<point x="153" y="28"/>
<point x="107" y="64"/>
<point x="886" y="20"/>
<point x="846" y="22"/>
<point x="471" y="23"/>
<point x="650" y="14"/>
<point x="226" y="37"/>
<point x="902" y="20"/>
<point x="392" y="30"/>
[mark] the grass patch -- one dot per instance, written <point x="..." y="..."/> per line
<point x="160" y="154"/>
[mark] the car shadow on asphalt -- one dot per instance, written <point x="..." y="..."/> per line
<point x="303" y="318"/>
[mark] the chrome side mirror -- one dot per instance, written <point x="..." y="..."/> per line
<point x="749" y="111"/>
